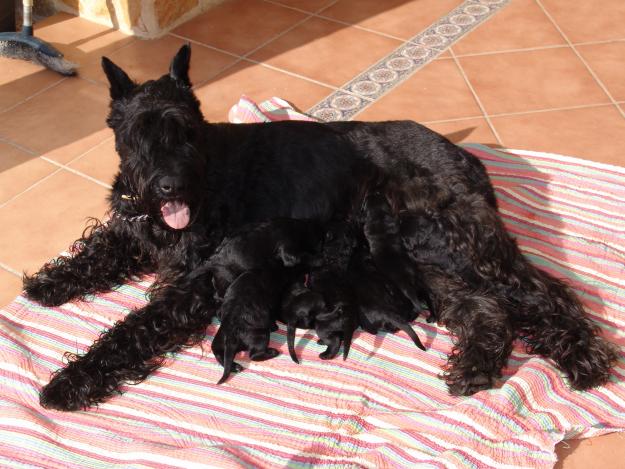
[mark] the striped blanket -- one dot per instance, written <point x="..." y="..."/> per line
<point x="383" y="407"/>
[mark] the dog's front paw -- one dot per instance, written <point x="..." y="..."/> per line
<point x="67" y="391"/>
<point x="46" y="291"/>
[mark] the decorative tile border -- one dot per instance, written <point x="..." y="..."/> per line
<point x="362" y="91"/>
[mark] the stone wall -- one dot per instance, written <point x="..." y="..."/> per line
<point x="143" y="18"/>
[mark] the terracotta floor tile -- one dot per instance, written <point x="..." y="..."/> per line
<point x="259" y="83"/>
<point x="101" y="162"/>
<point x="61" y="122"/>
<point x="80" y="40"/>
<point x="239" y="26"/>
<point x="588" y="21"/>
<point x="401" y="18"/>
<point x="47" y="219"/>
<point x="10" y="287"/>
<point x="20" y="79"/>
<point x="326" y="51"/>
<point x="307" y="5"/>
<point x="19" y="170"/>
<point x="602" y="451"/>
<point x="531" y="80"/>
<point x="608" y="62"/>
<point x="436" y="92"/>
<point x="147" y="60"/>
<point x="466" y="130"/>
<point x="596" y="133"/>
<point x="532" y="28"/>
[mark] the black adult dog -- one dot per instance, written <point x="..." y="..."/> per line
<point x="184" y="183"/>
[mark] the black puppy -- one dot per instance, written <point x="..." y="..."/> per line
<point x="282" y="241"/>
<point x="382" y="232"/>
<point x="250" y="270"/>
<point x="247" y="318"/>
<point x="325" y="300"/>
<point x="300" y="308"/>
<point x="380" y="305"/>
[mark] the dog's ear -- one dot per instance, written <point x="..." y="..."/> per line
<point x="179" y="68"/>
<point x="120" y="83"/>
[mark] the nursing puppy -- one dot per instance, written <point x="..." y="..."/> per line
<point x="380" y="305"/>
<point x="282" y="241"/>
<point x="247" y="318"/>
<point x="250" y="270"/>
<point x="325" y="300"/>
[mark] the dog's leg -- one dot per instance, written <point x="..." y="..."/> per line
<point x="553" y="324"/>
<point x="483" y="344"/>
<point x="333" y="343"/>
<point x="177" y="316"/>
<point x="259" y="349"/>
<point x="108" y="254"/>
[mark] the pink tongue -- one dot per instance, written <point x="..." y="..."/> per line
<point x="176" y="214"/>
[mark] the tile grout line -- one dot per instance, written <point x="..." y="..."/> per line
<point x="420" y="50"/>
<point x="10" y="270"/>
<point x="519" y="113"/>
<point x="76" y="172"/>
<point x="247" y="59"/>
<point x="334" y="20"/>
<point x="263" y="44"/>
<point x="78" y="75"/>
<point x="43" y="90"/>
<point x="95" y="82"/>
<point x="538" y="48"/>
<point x="60" y="167"/>
<point x="476" y="97"/>
<point x="579" y="56"/>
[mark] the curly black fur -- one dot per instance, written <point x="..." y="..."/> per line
<point x="193" y="183"/>
<point x="488" y="294"/>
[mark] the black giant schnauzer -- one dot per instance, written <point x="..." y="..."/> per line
<point x="183" y="184"/>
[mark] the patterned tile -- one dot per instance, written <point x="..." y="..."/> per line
<point x="405" y="60"/>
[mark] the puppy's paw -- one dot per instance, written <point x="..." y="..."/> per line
<point x="264" y="355"/>
<point x="331" y="352"/>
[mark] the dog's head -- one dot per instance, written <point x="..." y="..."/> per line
<point x="158" y="130"/>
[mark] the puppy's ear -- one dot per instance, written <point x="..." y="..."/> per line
<point x="120" y="83"/>
<point x="179" y="68"/>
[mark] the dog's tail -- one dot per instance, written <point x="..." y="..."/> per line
<point x="229" y="353"/>
<point x="290" y="340"/>
<point x="404" y="326"/>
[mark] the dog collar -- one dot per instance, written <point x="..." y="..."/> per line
<point x="139" y="218"/>
<point x="128" y="197"/>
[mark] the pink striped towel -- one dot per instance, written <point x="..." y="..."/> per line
<point x="384" y="407"/>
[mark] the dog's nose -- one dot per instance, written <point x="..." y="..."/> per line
<point x="170" y="185"/>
